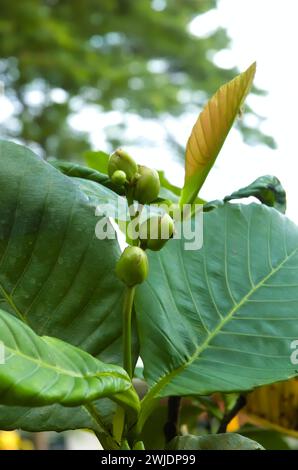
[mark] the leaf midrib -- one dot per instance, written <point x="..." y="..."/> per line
<point x="10" y="302"/>
<point x="166" y="378"/>
<point x="60" y="370"/>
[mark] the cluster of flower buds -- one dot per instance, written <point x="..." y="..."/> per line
<point x="144" y="186"/>
<point x="121" y="161"/>
<point x="144" y="181"/>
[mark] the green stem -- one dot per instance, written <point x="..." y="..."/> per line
<point x="127" y="310"/>
<point x="125" y="445"/>
<point x="129" y="197"/>
<point x="133" y="215"/>
<point x="102" y="434"/>
<point x="139" y="445"/>
<point x="118" y="423"/>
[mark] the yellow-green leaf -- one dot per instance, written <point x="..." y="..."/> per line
<point x="275" y="407"/>
<point x="211" y="130"/>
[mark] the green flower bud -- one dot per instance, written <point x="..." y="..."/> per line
<point x="120" y="160"/>
<point x="147" y="185"/>
<point x="132" y="267"/>
<point x="156" y="231"/>
<point x="119" y="177"/>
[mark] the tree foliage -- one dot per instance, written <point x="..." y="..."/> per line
<point x="112" y="54"/>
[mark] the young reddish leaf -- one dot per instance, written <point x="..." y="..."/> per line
<point x="211" y="130"/>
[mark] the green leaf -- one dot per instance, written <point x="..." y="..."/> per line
<point x="95" y="416"/>
<point x="221" y="318"/>
<point x="267" y="189"/>
<point x="211" y="205"/>
<point x="46" y="418"/>
<point x="210" y="131"/>
<point x="97" y="160"/>
<point x="228" y="441"/>
<point x="75" y="170"/>
<point x="271" y="440"/>
<point x="43" y="370"/>
<point x="55" y="275"/>
<point x="56" y="417"/>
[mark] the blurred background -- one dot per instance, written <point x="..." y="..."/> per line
<point x="106" y="73"/>
<point x="96" y="74"/>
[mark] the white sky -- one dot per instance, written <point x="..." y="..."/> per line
<point x="261" y="30"/>
<point x="265" y="31"/>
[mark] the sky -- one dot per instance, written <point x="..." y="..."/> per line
<point x="261" y="30"/>
<point x="265" y="31"/>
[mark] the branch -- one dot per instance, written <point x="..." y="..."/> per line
<point x="171" y="426"/>
<point x="240" y="403"/>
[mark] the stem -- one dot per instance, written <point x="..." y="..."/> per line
<point x="171" y="426"/>
<point x="129" y="197"/>
<point x="133" y="215"/>
<point x="139" y="445"/>
<point x="240" y="403"/>
<point x="125" y="445"/>
<point x="127" y="309"/>
<point x="118" y="423"/>
<point x="105" y="439"/>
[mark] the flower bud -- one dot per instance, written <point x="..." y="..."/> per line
<point x="120" y="160"/>
<point x="147" y="185"/>
<point x="119" y="177"/>
<point x="156" y="231"/>
<point x="132" y="267"/>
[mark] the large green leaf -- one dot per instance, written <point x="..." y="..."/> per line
<point x="210" y="131"/>
<point x="44" y="370"/>
<point x="95" y="416"/>
<point x="228" y="441"/>
<point x="46" y="418"/>
<point x="55" y="274"/>
<point x="271" y="440"/>
<point x="267" y="189"/>
<point x="222" y="318"/>
<point x="56" y="417"/>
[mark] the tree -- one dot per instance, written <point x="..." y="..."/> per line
<point x="114" y="54"/>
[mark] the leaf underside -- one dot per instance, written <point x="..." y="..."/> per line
<point x="43" y="370"/>
<point x="228" y="441"/>
<point x="211" y="130"/>
<point x="55" y="275"/>
<point x="222" y="318"/>
<point x="267" y="189"/>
